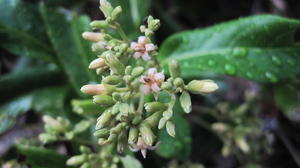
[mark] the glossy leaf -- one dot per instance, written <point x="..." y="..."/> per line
<point x="41" y="157"/>
<point x="180" y="146"/>
<point x="130" y="162"/>
<point x="260" y="48"/>
<point x="22" y="31"/>
<point x="65" y="29"/>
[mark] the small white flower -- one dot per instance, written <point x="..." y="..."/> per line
<point x="142" y="48"/>
<point x="142" y="146"/>
<point x="152" y="82"/>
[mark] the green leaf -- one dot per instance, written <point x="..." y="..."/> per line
<point x="20" y="82"/>
<point x="42" y="158"/>
<point x="260" y="48"/>
<point x="22" y="31"/>
<point x="49" y="100"/>
<point x="64" y="29"/>
<point x="180" y="146"/>
<point x="134" y="11"/>
<point x="130" y="162"/>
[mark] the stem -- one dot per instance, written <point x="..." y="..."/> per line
<point x="121" y="32"/>
<point x="141" y="104"/>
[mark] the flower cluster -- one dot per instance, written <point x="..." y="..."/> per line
<point x="130" y="72"/>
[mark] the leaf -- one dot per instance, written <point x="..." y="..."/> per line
<point x="42" y="158"/>
<point x="64" y="30"/>
<point x="180" y="146"/>
<point x="130" y="162"/>
<point x="22" y="31"/>
<point x="260" y="48"/>
<point x="133" y="13"/>
<point x="20" y="82"/>
<point x="49" y="100"/>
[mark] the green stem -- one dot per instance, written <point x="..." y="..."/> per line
<point x="141" y="104"/>
<point x="121" y="32"/>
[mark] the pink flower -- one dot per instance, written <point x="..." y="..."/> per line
<point x="142" y="146"/>
<point x="142" y="48"/>
<point x="152" y="82"/>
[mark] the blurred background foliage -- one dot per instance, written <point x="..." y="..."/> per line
<point x="44" y="60"/>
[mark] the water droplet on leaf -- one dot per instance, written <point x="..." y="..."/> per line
<point x="271" y="77"/>
<point x="230" y="69"/>
<point x="240" y="52"/>
<point x="211" y="63"/>
<point x="276" y="60"/>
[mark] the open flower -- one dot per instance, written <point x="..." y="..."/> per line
<point x="142" y="48"/>
<point x="152" y="82"/>
<point x="142" y="146"/>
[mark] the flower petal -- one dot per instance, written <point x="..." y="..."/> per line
<point x="142" y="79"/>
<point x="142" y="39"/>
<point x="146" y="56"/>
<point x="144" y="152"/>
<point x="145" y="89"/>
<point x="137" y="55"/>
<point x="151" y="71"/>
<point x="133" y="45"/>
<point x="159" y="76"/>
<point x="149" y="47"/>
<point x="155" y="87"/>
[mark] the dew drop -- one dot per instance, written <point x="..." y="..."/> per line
<point x="249" y="75"/>
<point x="271" y="77"/>
<point x="240" y="52"/>
<point x="230" y="69"/>
<point x="211" y="63"/>
<point x="276" y="60"/>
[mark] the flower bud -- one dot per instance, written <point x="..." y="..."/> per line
<point x="47" y="138"/>
<point x="81" y="126"/>
<point x="128" y="78"/>
<point x="86" y="165"/>
<point x="116" y="66"/>
<point x="104" y="119"/>
<point x="103" y="100"/>
<point x="85" y="149"/>
<point x="116" y="13"/>
<point x="153" y="120"/>
<point x="133" y="135"/>
<point x="170" y="128"/>
<point x="185" y="102"/>
<point x="202" y="86"/>
<point x="76" y="160"/>
<point x="106" y="8"/>
<point x="100" y="71"/>
<point x="97" y="63"/>
<point x="123" y="47"/>
<point x="124" y="109"/>
<point x="99" y="24"/>
<point x="178" y="82"/>
<point x="54" y="124"/>
<point x="174" y="69"/>
<point x="128" y="70"/>
<point x="118" y="128"/>
<point x="166" y="86"/>
<point x="93" y="89"/>
<point x="146" y="134"/>
<point x="162" y="123"/>
<point x="242" y="144"/>
<point x="136" y="120"/>
<point x="117" y="96"/>
<point x="155" y="106"/>
<point x="137" y="71"/>
<point x="122" y="142"/>
<point x="92" y="36"/>
<point x="101" y="133"/>
<point x="167" y="115"/>
<point x="112" y="80"/>
<point x="153" y="24"/>
<point x="99" y="47"/>
<point x="219" y="127"/>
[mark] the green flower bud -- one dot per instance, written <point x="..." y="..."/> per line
<point x="115" y="109"/>
<point x="106" y="8"/>
<point x="118" y="128"/>
<point x="128" y="78"/>
<point x="153" y="120"/>
<point x="76" y="160"/>
<point x="122" y="142"/>
<point x="185" y="102"/>
<point x="178" y="82"/>
<point x="86" y="165"/>
<point x="101" y="133"/>
<point x="103" y="100"/>
<point x="104" y="119"/>
<point x="147" y="134"/>
<point x="117" y="96"/>
<point x="100" y="71"/>
<point x="242" y="144"/>
<point x="57" y="125"/>
<point x="47" y="138"/>
<point x="170" y="128"/>
<point x="128" y="70"/>
<point x="85" y="149"/>
<point x="155" y="106"/>
<point x="137" y="71"/>
<point x="148" y="32"/>
<point x="81" y="126"/>
<point x="99" y="24"/>
<point x="116" y="13"/>
<point x="112" y="137"/>
<point x="70" y="135"/>
<point x="166" y="86"/>
<point x="123" y="48"/>
<point x="162" y="123"/>
<point x="174" y="69"/>
<point x="136" y="120"/>
<point x="124" y="109"/>
<point x="202" y="86"/>
<point x="167" y="115"/>
<point x="153" y="24"/>
<point x="109" y="89"/>
<point x="133" y="135"/>
<point x="116" y="66"/>
<point x="99" y="47"/>
<point x="93" y="36"/>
